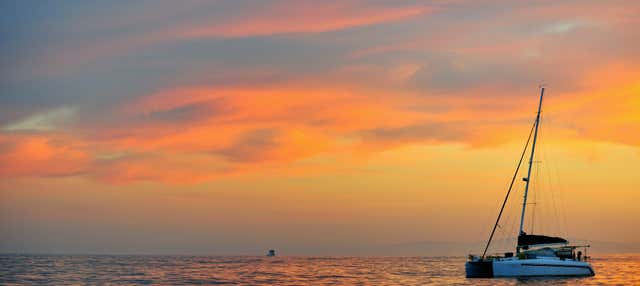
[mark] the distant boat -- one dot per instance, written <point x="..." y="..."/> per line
<point x="536" y="255"/>
<point x="271" y="253"/>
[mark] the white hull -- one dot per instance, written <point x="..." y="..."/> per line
<point x="542" y="266"/>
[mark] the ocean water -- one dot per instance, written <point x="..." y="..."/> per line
<point x="247" y="270"/>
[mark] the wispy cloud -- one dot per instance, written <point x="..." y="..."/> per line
<point x="48" y="120"/>
<point x="303" y="17"/>
<point x="220" y="89"/>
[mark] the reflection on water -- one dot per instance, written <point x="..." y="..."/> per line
<point x="58" y="269"/>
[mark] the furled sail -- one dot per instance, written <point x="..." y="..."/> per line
<point x="533" y="239"/>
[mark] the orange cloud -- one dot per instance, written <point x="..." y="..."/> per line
<point x="41" y="155"/>
<point x="607" y="107"/>
<point x="226" y="131"/>
<point x="270" y="125"/>
<point x="172" y="168"/>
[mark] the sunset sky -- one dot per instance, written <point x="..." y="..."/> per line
<point x="313" y="127"/>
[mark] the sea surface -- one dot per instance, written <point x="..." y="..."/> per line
<point x="247" y="270"/>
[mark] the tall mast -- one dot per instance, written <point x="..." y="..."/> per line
<point x="533" y="149"/>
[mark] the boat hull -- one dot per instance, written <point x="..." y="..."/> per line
<point x="528" y="268"/>
<point x="479" y="269"/>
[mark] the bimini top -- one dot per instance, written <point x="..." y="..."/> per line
<point x="533" y="239"/>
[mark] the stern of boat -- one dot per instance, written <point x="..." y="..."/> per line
<point x="479" y="268"/>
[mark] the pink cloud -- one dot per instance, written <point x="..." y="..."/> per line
<point x="303" y="17"/>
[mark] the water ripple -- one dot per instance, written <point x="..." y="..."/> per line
<point x="243" y="270"/>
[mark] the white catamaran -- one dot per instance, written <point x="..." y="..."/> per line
<point x="536" y="255"/>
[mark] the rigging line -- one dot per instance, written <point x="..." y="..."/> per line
<point x="553" y="201"/>
<point x="536" y="190"/>
<point x="503" y="239"/>
<point x="515" y="174"/>
<point x="554" y="189"/>
<point x="550" y="225"/>
<point x="545" y="224"/>
<point x="500" y="235"/>
<point x="535" y="182"/>
<point x="503" y="230"/>
<point x="555" y="192"/>
<point x="561" y="199"/>
<point x="550" y="191"/>
<point x="510" y="221"/>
